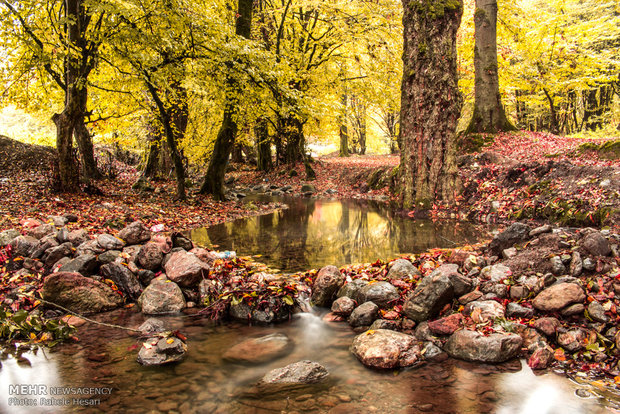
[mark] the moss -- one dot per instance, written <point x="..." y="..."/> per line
<point x="436" y="9"/>
<point x="608" y="150"/>
<point x="374" y="180"/>
<point x="480" y="14"/>
<point x="423" y="204"/>
<point x="469" y="143"/>
<point x="423" y="48"/>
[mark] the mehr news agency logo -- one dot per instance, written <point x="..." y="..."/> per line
<point x="40" y="395"/>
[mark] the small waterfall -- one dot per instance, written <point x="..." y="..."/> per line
<point x="303" y="301"/>
<point x="314" y="331"/>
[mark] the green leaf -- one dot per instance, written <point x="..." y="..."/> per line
<point x="288" y="300"/>
<point x="20" y="316"/>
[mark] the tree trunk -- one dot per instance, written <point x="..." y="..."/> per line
<point x="87" y="151"/>
<point x="263" y="145"/>
<point x="214" y="180"/>
<point x="489" y="115"/>
<point x="293" y="130"/>
<point x="344" y="130"/>
<point x="554" y="126"/>
<point x="430" y="103"/>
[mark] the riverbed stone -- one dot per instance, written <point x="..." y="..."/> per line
<point x="84" y="264"/>
<point x="7" y="236"/>
<point x="430" y="295"/>
<point x="54" y="254"/>
<point x="364" y="315"/>
<point x="135" y="233"/>
<point x="547" y="325"/>
<point x="150" y="256"/>
<point x="186" y="269"/>
<point x="597" y="312"/>
<point x="79" y="294"/>
<point x="576" y="264"/>
<point x="161" y="297"/>
<point x="125" y="279"/>
<point x="572" y="340"/>
<point x="514" y="310"/>
<point x="41" y="231"/>
<point x="574" y="309"/>
<point x="109" y="242"/>
<point x="352" y="289"/>
<point x="558" y="296"/>
<point x="596" y="244"/>
<point x="386" y="349"/>
<point x="259" y="350"/>
<point x="328" y="281"/>
<point x="475" y="347"/>
<point x="517" y="232"/>
<point x="402" y="269"/>
<point x="557" y="266"/>
<point x="302" y="372"/>
<point x="151" y="326"/>
<point x="77" y="237"/>
<point x="447" y="325"/>
<point x="485" y="309"/>
<point x="343" y="306"/>
<point x="541" y="358"/>
<point x="160" y="351"/>
<point x="108" y="256"/>
<point x="496" y="273"/>
<point x="380" y="293"/>
<point x="89" y="246"/>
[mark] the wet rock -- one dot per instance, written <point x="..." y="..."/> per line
<point x="302" y="372"/>
<point x="364" y="315"/>
<point x="332" y="317"/>
<point x="575" y="309"/>
<point x="496" y="273"/>
<point x="161" y="297"/>
<point x="540" y="230"/>
<point x="558" y="296"/>
<point x="596" y="244"/>
<point x="576" y="264"/>
<point x="484" y="309"/>
<point x="151" y="326"/>
<point x="126" y="281"/>
<point x="54" y="254"/>
<point x="430" y="295"/>
<point x="343" y="306"/>
<point x="514" y="310"/>
<point x="352" y="289"/>
<point x="557" y="266"/>
<point x="7" y="236"/>
<point x="23" y="246"/>
<point x="402" y="269"/>
<point x="447" y="325"/>
<point x="79" y="294"/>
<point x="186" y="269"/>
<point x="589" y="264"/>
<point x="386" y="324"/>
<point x="432" y="352"/>
<point x="517" y="232"/>
<point x="326" y="285"/>
<point x="159" y="351"/>
<point x="541" y="358"/>
<point x="573" y="340"/>
<point x="597" y="312"/>
<point x="547" y="326"/>
<point x="380" y="293"/>
<point x="150" y="256"/>
<point x="473" y="346"/>
<point x="386" y="349"/>
<point x="135" y="233"/>
<point x="259" y="350"/>
<point x="243" y="311"/>
<point x="85" y="264"/>
<point x="109" y="242"/>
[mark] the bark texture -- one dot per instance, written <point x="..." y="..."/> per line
<point x="263" y="145"/>
<point x="431" y="103"/>
<point x="489" y="115"/>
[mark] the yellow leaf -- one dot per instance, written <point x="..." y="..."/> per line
<point x="170" y="340"/>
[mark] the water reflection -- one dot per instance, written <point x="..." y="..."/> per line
<point x="315" y="233"/>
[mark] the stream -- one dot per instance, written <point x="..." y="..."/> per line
<point x="310" y="234"/>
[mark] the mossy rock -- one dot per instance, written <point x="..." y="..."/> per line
<point x="474" y="142"/>
<point x="608" y="150"/>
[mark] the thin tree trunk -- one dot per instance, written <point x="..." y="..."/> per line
<point x="263" y="145"/>
<point x="344" y="130"/>
<point x="431" y="103"/>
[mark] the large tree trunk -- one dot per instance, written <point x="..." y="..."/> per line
<point x="87" y="150"/>
<point x="263" y="145"/>
<point x="431" y="103"/>
<point x="489" y="115"/>
<point x="214" y="180"/>
<point x="293" y="131"/>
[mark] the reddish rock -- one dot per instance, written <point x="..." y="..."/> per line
<point x="447" y="325"/>
<point x="332" y="317"/>
<point x="541" y="358"/>
<point x="558" y="296"/>
<point x="185" y="269"/>
<point x="150" y="256"/>
<point x="548" y="326"/>
<point x="259" y="350"/>
<point x="79" y="294"/>
<point x="326" y="285"/>
<point x="343" y="306"/>
<point x="470" y="297"/>
<point x="204" y="254"/>
<point x="386" y="349"/>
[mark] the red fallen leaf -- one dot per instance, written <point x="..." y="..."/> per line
<point x="132" y="347"/>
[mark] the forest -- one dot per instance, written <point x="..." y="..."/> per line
<point x="248" y="192"/>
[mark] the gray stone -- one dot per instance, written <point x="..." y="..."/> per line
<point x="161" y="297"/>
<point x="596" y="244"/>
<point x="557" y="266"/>
<point x="383" y="294"/>
<point x="77" y="237"/>
<point x="576" y="264"/>
<point x="151" y="326"/>
<point x="41" y="231"/>
<point x="402" y="269"/>
<point x="7" y="236"/>
<point x="589" y="264"/>
<point x="302" y="372"/>
<point x="509" y="253"/>
<point x="364" y="315"/>
<point x="386" y="349"/>
<point x="473" y="346"/>
<point x="109" y="242"/>
<point x="108" y="256"/>
<point x="89" y="246"/>
<point x="574" y="309"/>
<point x="23" y="246"/>
<point x="352" y="289"/>
<point x="597" y="312"/>
<point x="326" y="285"/>
<point x="126" y="281"/>
<point x="517" y="232"/>
<point x="486" y="309"/>
<point x="514" y="310"/>
<point x="150" y="256"/>
<point x="54" y="254"/>
<point x="84" y="264"/>
<point x="496" y="273"/>
<point x="135" y="233"/>
<point x="79" y="294"/>
<point x="540" y="230"/>
<point x="430" y="295"/>
<point x="157" y="351"/>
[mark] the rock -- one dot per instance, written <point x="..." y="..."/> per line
<point x="135" y="233"/>
<point x="77" y="237"/>
<point x="161" y="297"/>
<point x="88" y="247"/>
<point x="85" y="264"/>
<point x="386" y="324"/>
<point x="470" y="297"/>
<point x="541" y="358"/>
<point x="547" y="325"/>
<point x="514" y="310"/>
<point x="496" y="273"/>
<point x="597" y="312"/>
<point x="108" y="256"/>
<point x="151" y="326"/>
<point x="576" y="265"/>
<point x="126" y="281"/>
<point x="430" y="295"/>
<point x="386" y="349"/>
<point x="7" y="236"/>
<point x="308" y="188"/>
<point x="517" y="232"/>
<point x="259" y="350"/>
<point x="484" y="310"/>
<point x="159" y="351"/>
<point x="596" y="244"/>
<point x="41" y="231"/>
<point x="557" y="266"/>
<point x="589" y="264"/>
<point x="54" y="254"/>
<point x="473" y="346"/>
<point x="150" y="256"/>
<point x="302" y="372"/>
<point x="332" y="317"/>
<point x="79" y="294"/>
<point x="58" y="221"/>
<point x="326" y="285"/>
<point x="509" y="253"/>
<point x="364" y="315"/>
<point x="447" y="325"/>
<point x="179" y="240"/>
<point x="23" y="246"/>
<point x="109" y="242"/>
<point x="493" y="290"/>
<point x="244" y="312"/>
<point x="380" y="293"/>
<point x="575" y="309"/>
<point x="402" y="269"/>
<point x="461" y="284"/>
<point x="352" y="289"/>
<point x="343" y="306"/>
<point x="558" y="296"/>
<point x="573" y="340"/>
<point x="519" y="292"/>
<point x="186" y="269"/>
<point x="540" y="230"/>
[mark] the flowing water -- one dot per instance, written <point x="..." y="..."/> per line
<point x="310" y="234"/>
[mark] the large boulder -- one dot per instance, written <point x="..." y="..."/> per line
<point x="473" y="346"/>
<point x="558" y="296"/>
<point x="7" y="236"/>
<point x="150" y="256"/>
<point x="381" y="293"/>
<point x="160" y="351"/>
<point x="259" y="350"/>
<point x="352" y="289"/>
<point x="135" y="233"/>
<point x="79" y="294"/>
<point x="516" y="233"/>
<point x="302" y="372"/>
<point x="386" y="349"/>
<point x="596" y="244"/>
<point x="326" y="285"/>
<point x="402" y="269"/>
<point x="364" y="315"/>
<point x="432" y="293"/>
<point x="84" y="264"/>
<point x="161" y="297"/>
<point x="124" y="278"/>
<point x="186" y="269"/>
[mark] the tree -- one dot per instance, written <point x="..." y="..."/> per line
<point x="431" y="103"/>
<point x="489" y="115"/>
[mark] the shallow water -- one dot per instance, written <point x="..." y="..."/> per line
<point x="314" y="233"/>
